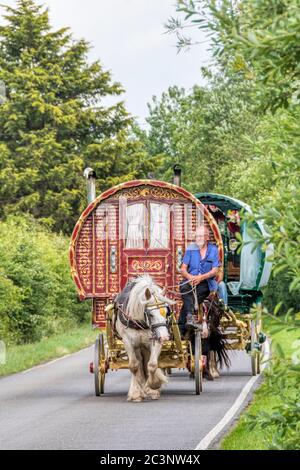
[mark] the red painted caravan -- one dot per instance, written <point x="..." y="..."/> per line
<point x="141" y="226"/>
<point x="137" y="227"/>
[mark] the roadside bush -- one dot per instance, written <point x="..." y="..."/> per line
<point x="278" y="291"/>
<point x="37" y="294"/>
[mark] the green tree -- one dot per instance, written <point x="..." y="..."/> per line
<point x="259" y="39"/>
<point x="169" y="119"/>
<point x="202" y="130"/>
<point x="53" y="121"/>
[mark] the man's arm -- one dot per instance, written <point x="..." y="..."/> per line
<point x="212" y="273"/>
<point x="200" y="277"/>
<point x="185" y="273"/>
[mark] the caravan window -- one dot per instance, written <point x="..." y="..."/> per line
<point x="159" y="226"/>
<point x="135" y="223"/>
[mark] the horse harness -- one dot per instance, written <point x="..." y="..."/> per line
<point x="127" y="321"/>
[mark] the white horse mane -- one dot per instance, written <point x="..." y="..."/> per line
<point x="137" y="299"/>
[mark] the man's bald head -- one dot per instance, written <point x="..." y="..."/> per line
<point x="202" y="235"/>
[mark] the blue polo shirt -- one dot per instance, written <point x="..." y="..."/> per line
<point x="196" y="265"/>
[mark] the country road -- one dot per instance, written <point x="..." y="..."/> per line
<point x="53" y="407"/>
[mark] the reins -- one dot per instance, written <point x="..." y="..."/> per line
<point x="129" y="322"/>
<point x="168" y="289"/>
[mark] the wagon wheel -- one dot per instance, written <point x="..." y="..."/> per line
<point x="259" y="355"/>
<point x="99" y="365"/>
<point x="198" y="363"/>
<point x="255" y="354"/>
<point x="258" y="363"/>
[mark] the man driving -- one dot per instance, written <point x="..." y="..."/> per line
<point x="200" y="265"/>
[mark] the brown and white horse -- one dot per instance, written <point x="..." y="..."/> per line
<point x="140" y="321"/>
<point x="215" y="343"/>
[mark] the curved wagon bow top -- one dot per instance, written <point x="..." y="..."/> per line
<point x="132" y="228"/>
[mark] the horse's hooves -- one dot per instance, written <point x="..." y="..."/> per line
<point x="136" y="399"/>
<point x="155" y="397"/>
<point x="154" y="394"/>
<point x="208" y="376"/>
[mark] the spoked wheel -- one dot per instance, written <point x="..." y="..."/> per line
<point x="260" y="354"/>
<point x="255" y="354"/>
<point x="198" y="363"/>
<point x="258" y="363"/>
<point x="99" y="365"/>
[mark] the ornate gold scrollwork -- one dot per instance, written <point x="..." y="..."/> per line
<point x="145" y="265"/>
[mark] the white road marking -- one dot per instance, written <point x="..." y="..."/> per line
<point x="55" y="360"/>
<point x="207" y="440"/>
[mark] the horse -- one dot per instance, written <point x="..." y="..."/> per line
<point x="214" y="344"/>
<point x="140" y="321"/>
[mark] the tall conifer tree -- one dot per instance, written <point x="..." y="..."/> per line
<point x="53" y="121"/>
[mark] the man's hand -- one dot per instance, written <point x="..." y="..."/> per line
<point x="190" y="278"/>
<point x="197" y="279"/>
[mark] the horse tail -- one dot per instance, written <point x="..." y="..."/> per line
<point x="218" y="344"/>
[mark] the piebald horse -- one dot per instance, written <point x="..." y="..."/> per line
<point x="140" y="321"/>
<point x="214" y="342"/>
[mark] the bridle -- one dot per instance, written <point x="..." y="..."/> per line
<point x="164" y="311"/>
<point x="129" y="322"/>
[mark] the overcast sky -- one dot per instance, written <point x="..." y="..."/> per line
<point x="128" y="37"/>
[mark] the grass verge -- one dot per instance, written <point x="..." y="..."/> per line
<point x="21" y="357"/>
<point x="239" y="438"/>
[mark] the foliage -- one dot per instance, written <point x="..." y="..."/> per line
<point x="53" y="121"/>
<point x="201" y="130"/>
<point x="277" y="292"/>
<point x="244" y="435"/>
<point x="282" y="380"/>
<point x="258" y="40"/>
<point x="37" y="294"/>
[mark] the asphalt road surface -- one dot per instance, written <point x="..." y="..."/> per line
<point x="54" y="407"/>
